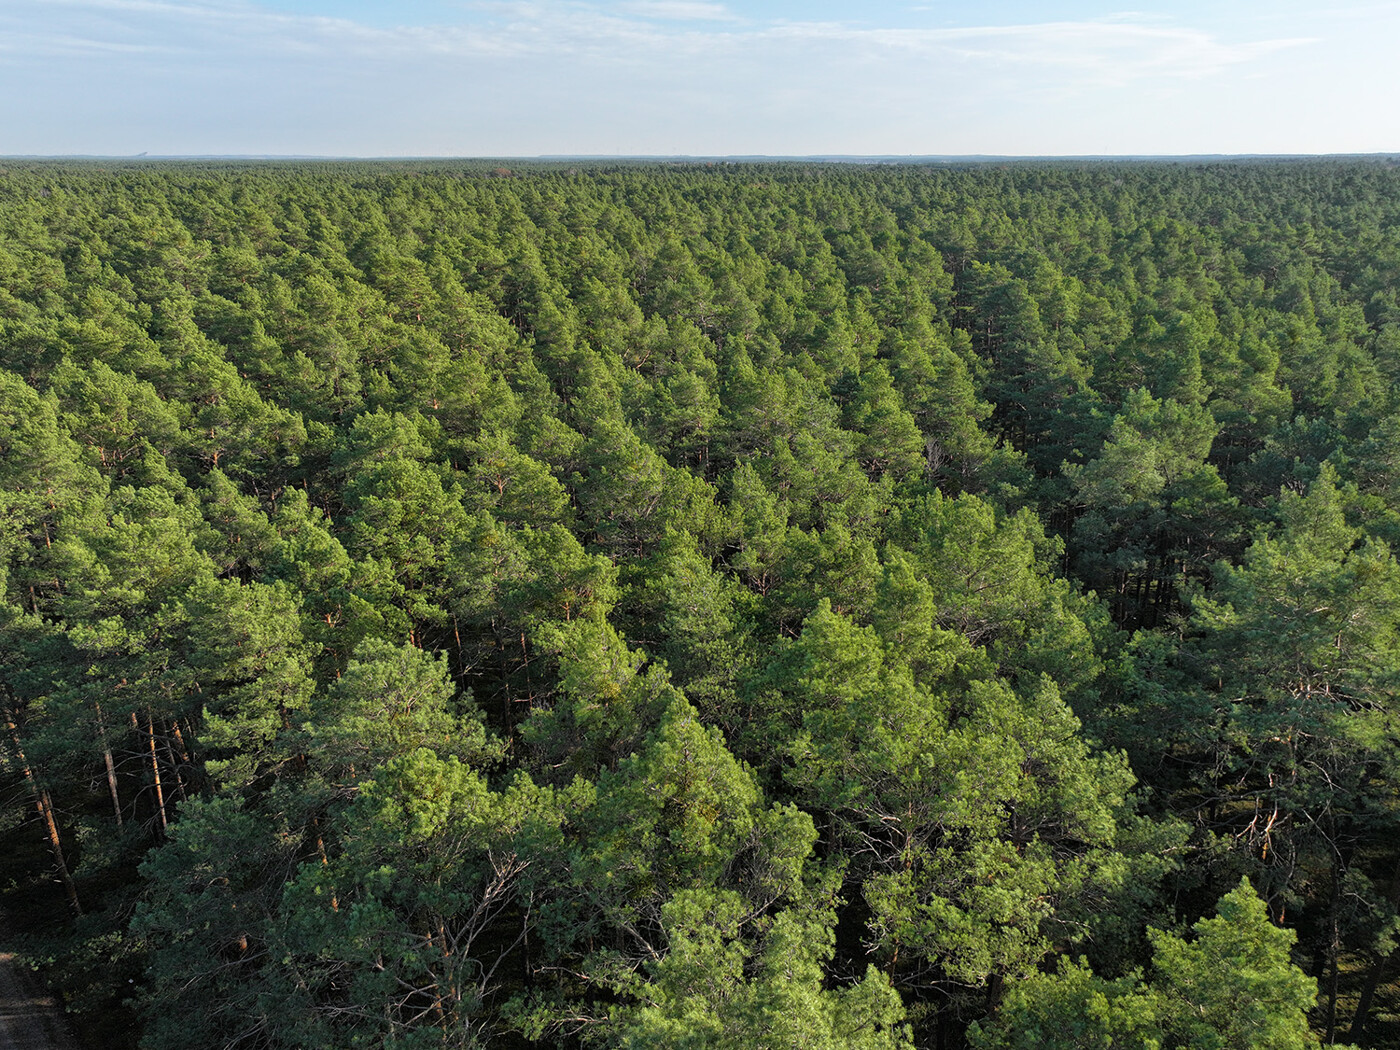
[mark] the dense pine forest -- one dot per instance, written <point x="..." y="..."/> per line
<point x="725" y="606"/>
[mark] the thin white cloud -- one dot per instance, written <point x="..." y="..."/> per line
<point x="1124" y="47"/>
<point x="657" y="76"/>
<point x="55" y="45"/>
<point x="134" y="6"/>
<point x="231" y="32"/>
<point x="679" y="10"/>
<point x="1113" y="51"/>
<point x="1149" y="17"/>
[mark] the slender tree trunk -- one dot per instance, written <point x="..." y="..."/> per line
<point x="525" y="938"/>
<point x="1368" y="995"/>
<point x="503" y="663"/>
<point x="1373" y="979"/>
<point x="1334" y="933"/>
<point x="438" y="995"/>
<point x="1332" y="978"/>
<point x="175" y="766"/>
<point x="155" y="772"/>
<point x="186" y="756"/>
<point x="111" y="768"/>
<point x="325" y="860"/>
<point x="180" y="739"/>
<point x="44" y="804"/>
<point x="155" y="766"/>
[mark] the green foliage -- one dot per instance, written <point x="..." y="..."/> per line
<point x="1231" y="987"/>
<point x="700" y="996"/>
<point x="618" y="605"/>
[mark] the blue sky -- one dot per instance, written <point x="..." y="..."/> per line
<point x="696" y="77"/>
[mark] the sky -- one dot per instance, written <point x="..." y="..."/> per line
<point x="524" y="78"/>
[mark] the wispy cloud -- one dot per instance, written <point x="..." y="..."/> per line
<point x="1113" y="51"/>
<point x="1116" y="49"/>
<point x="69" y="45"/>
<point x="679" y="10"/>
<point x="683" y="75"/>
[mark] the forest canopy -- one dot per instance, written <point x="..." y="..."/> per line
<point x="722" y="606"/>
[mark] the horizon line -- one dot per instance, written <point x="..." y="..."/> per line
<point x="837" y="158"/>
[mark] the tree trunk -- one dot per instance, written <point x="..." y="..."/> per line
<point x="155" y="766"/>
<point x="111" y="769"/>
<point x="1368" y="995"/>
<point x="180" y="739"/>
<point x="44" y="804"/>
<point x="155" y="772"/>
<point x="175" y="767"/>
<point x="1373" y="979"/>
